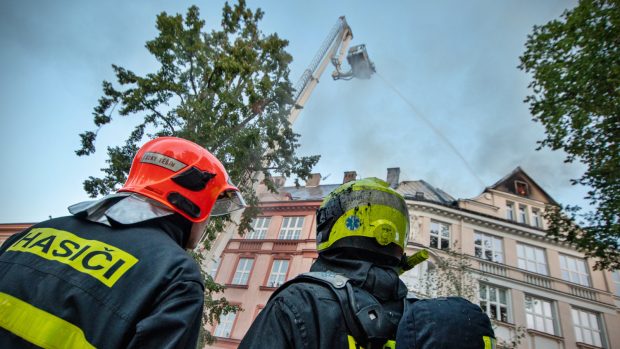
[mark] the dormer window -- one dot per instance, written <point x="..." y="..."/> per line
<point x="521" y="188"/>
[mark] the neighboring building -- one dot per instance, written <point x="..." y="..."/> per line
<point x="8" y="229"/>
<point x="281" y="246"/>
<point x="526" y="279"/>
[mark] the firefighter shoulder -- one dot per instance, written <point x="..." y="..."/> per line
<point x="444" y="323"/>
<point x="352" y="298"/>
<point x="115" y="274"/>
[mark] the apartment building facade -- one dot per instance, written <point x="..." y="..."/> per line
<point x="531" y="285"/>
<point x="8" y="229"/>
<point x="524" y="279"/>
<point x="281" y="246"/>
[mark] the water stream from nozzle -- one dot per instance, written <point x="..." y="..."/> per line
<point x="437" y="131"/>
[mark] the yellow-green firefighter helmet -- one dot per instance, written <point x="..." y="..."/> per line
<point x="364" y="216"/>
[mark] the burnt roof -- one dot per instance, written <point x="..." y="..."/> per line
<point x="422" y="190"/>
<point x="315" y="193"/>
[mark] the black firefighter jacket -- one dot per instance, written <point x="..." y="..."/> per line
<point x="69" y="282"/>
<point x="308" y="315"/>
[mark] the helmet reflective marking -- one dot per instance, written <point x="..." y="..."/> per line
<point x="360" y="212"/>
<point x="353" y="223"/>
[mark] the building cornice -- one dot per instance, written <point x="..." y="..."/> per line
<point x="484" y="220"/>
<point x="500" y="271"/>
<point x="283" y="206"/>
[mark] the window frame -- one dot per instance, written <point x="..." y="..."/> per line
<point x="439" y="234"/>
<point x="580" y="329"/>
<point x="215" y="267"/>
<point x="536" y="217"/>
<point x="268" y="282"/>
<point x="615" y="279"/>
<point x="232" y="325"/>
<point x="564" y="268"/>
<point x="259" y="232"/>
<point x="527" y="261"/>
<point x="522" y="214"/>
<point x="294" y="232"/>
<point x="415" y="279"/>
<point x="490" y="303"/>
<point x="249" y="271"/>
<point x="526" y="188"/>
<point x="492" y="249"/>
<point x="510" y="211"/>
<point x="547" y="315"/>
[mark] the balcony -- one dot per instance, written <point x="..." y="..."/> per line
<point x="250" y="245"/>
<point x="537" y="280"/>
<point x="542" y="281"/>
<point x="285" y="246"/>
<point x="583" y="292"/>
<point x="270" y="246"/>
<point x="493" y="268"/>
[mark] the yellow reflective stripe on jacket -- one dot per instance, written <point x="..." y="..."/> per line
<point x="489" y="343"/>
<point x="38" y="326"/>
<point x="102" y="261"/>
<point x="353" y="344"/>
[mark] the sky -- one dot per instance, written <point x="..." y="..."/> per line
<point x="449" y="63"/>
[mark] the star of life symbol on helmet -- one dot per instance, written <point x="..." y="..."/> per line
<point x="353" y="222"/>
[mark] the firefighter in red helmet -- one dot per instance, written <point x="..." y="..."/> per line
<point x="115" y="274"/>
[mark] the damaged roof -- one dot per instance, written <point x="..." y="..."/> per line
<point x="317" y="193"/>
<point x="422" y="190"/>
<point x="412" y="190"/>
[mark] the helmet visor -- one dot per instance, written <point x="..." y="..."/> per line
<point x="227" y="202"/>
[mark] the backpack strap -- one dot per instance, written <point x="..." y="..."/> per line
<point x="342" y="289"/>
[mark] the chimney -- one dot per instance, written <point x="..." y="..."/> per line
<point x="393" y="175"/>
<point x="349" y="176"/>
<point x="314" y="180"/>
<point x="278" y="181"/>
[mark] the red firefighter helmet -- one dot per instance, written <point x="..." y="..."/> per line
<point x="184" y="177"/>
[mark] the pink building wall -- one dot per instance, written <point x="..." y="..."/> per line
<point x="252" y="296"/>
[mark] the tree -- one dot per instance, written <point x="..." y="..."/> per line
<point x="452" y="274"/>
<point x="575" y="66"/>
<point x="227" y="90"/>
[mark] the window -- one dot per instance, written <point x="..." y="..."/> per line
<point x="278" y="272"/>
<point x="532" y="259"/>
<point x="615" y="275"/>
<point x="488" y="247"/>
<point x="510" y="215"/>
<point x="539" y="314"/>
<point x="440" y="235"/>
<point x="242" y="274"/>
<point x="415" y="280"/>
<point x="214" y="265"/>
<point x="574" y="270"/>
<point x="494" y="302"/>
<point x="521" y="188"/>
<point x="522" y="218"/>
<point x="224" y="327"/>
<point x="587" y="327"/>
<point x="259" y="226"/>
<point x="536" y="219"/>
<point x="291" y="228"/>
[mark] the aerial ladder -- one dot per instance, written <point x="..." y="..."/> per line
<point x="331" y="51"/>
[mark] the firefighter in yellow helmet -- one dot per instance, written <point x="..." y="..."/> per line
<point x="115" y="274"/>
<point x="352" y="297"/>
